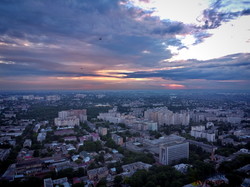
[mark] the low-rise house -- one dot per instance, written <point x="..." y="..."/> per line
<point x="29" y="166"/>
<point x="41" y="136"/>
<point x="75" y="157"/>
<point x="64" y="132"/>
<point x="86" y="157"/>
<point x="218" y="180"/>
<point x="4" y="153"/>
<point x="27" y="143"/>
<point x="182" y="167"/>
<point x="130" y="169"/>
<point x="48" y="182"/>
<point x="85" y="138"/>
<point x="227" y="141"/>
<point x="70" y="138"/>
<point x="95" y="137"/>
<point x="25" y="154"/>
<point x="98" y="173"/>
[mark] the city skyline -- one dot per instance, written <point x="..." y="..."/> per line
<point x="124" y="44"/>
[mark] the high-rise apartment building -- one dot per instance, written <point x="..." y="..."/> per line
<point x="163" y="116"/>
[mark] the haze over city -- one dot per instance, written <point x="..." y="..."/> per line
<point x="124" y="44"/>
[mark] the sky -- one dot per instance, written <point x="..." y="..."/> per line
<point x="124" y="44"/>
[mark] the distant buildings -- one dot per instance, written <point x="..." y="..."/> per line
<point x="112" y="116"/>
<point x="53" y="98"/>
<point x="228" y="116"/>
<point x="142" y="125"/>
<point x="163" y="116"/>
<point x="70" y="118"/>
<point x="130" y="121"/>
<point x="81" y="114"/>
<point x="28" y="97"/>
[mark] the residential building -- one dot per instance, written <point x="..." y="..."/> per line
<point x="130" y="169"/>
<point x="102" y="131"/>
<point x="80" y="114"/>
<point x="41" y="136"/>
<point x="70" y="138"/>
<point x="27" y="143"/>
<point x="200" y="132"/>
<point x="4" y="153"/>
<point x="117" y="139"/>
<point x="163" y="116"/>
<point x="112" y="116"/>
<point x="98" y="173"/>
<point x="67" y="122"/>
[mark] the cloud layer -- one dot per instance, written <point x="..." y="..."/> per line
<point x="101" y="44"/>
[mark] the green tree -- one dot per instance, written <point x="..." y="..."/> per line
<point x="66" y="173"/>
<point x="118" y="179"/>
<point x="111" y="144"/>
<point x="102" y="183"/>
<point x="234" y="179"/>
<point x="91" y="146"/>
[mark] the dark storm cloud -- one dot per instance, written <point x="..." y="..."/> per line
<point x="44" y="17"/>
<point x="134" y="46"/>
<point x="227" y="68"/>
<point x="220" y="12"/>
<point x="72" y="38"/>
<point x="100" y="32"/>
<point x="27" y="67"/>
<point x="170" y="28"/>
<point x="75" y="18"/>
<point x="246" y="12"/>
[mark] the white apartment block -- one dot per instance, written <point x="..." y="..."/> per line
<point x="67" y="122"/>
<point x="163" y="116"/>
<point x="81" y="114"/>
<point x="70" y="118"/>
<point x="198" y="128"/>
<point x="112" y="116"/>
<point x="200" y="132"/>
